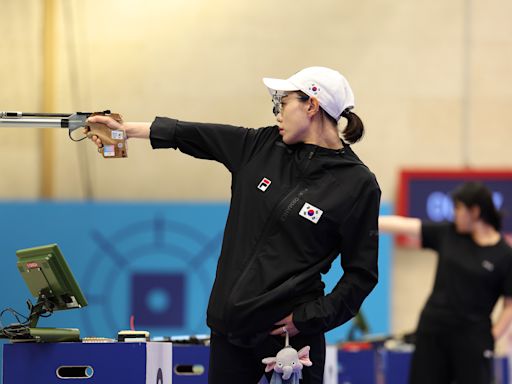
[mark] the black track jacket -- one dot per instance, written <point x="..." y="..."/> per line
<point x="273" y="253"/>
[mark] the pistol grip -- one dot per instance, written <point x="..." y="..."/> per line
<point x="113" y="140"/>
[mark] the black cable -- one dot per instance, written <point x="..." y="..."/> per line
<point x="16" y="331"/>
<point x="16" y="315"/>
<point x="21" y="329"/>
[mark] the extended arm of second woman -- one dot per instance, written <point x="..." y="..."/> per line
<point x="400" y="225"/>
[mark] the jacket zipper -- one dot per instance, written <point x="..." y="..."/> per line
<point x="274" y="217"/>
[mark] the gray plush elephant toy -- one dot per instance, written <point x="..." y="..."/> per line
<point x="287" y="364"/>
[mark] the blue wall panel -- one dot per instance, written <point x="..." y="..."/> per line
<point x="155" y="261"/>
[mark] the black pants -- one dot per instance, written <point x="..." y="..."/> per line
<point x="230" y="364"/>
<point x="463" y="356"/>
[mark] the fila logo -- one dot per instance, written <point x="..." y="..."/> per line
<point x="311" y="212"/>
<point x="264" y="184"/>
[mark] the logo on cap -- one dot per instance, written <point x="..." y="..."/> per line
<point x="264" y="184"/>
<point x="314" y="88"/>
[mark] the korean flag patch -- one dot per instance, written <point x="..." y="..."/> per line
<point x="311" y="212"/>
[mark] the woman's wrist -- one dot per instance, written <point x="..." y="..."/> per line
<point x="138" y="130"/>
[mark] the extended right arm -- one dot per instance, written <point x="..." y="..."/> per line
<point x="400" y="225"/>
<point x="230" y="145"/>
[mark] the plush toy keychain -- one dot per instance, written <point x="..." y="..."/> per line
<point x="288" y="363"/>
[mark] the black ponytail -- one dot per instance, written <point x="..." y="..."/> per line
<point x="354" y="130"/>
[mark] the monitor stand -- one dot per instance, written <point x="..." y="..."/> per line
<point x="29" y="332"/>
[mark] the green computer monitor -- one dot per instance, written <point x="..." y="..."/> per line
<point x="49" y="279"/>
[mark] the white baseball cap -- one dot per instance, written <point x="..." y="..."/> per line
<point x="329" y="86"/>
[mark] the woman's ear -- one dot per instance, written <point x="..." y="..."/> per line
<point x="313" y="106"/>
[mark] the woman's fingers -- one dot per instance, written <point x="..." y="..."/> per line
<point x="108" y="121"/>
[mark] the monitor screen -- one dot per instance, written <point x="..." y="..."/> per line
<point x="49" y="278"/>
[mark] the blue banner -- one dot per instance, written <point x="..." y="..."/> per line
<point x="155" y="261"/>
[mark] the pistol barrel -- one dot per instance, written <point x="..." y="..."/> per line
<point x="43" y="120"/>
<point x="30" y="123"/>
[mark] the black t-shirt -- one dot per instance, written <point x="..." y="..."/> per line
<point x="469" y="278"/>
